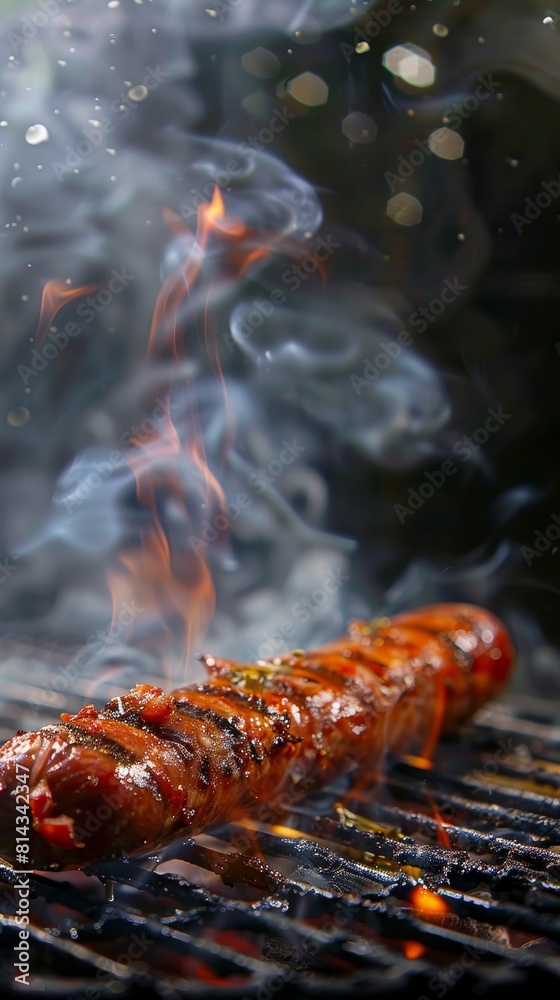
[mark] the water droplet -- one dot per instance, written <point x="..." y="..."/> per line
<point x="36" y="134"/>
<point x="138" y="93"/>
<point x="16" y="181"/>
<point x="359" y="127"/>
<point x="440" y="30"/>
<point x="411" y="63"/>
<point x="404" y="209"/>
<point x="19" y="417"/>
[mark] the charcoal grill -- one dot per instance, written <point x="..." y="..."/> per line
<point x="323" y="901"/>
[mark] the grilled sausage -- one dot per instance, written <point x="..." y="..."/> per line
<point x="150" y="766"/>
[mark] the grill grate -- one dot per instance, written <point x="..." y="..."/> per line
<point x="323" y="903"/>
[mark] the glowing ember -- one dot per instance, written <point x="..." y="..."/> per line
<point x="413" y="949"/>
<point x="173" y="583"/>
<point x="427" y="902"/>
<point x="421" y="762"/>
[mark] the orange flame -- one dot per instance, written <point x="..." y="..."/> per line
<point x="57" y="294"/>
<point x="177" y="286"/>
<point x="216" y="209"/>
<point x="442" y="834"/>
<point x="439" y="715"/>
<point x="164" y="583"/>
<point x="170" y="589"/>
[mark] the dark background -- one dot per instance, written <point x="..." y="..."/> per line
<point x="498" y="344"/>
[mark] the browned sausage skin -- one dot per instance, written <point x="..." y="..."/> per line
<point x="150" y="766"/>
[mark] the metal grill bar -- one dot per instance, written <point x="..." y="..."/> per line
<point x="456" y="867"/>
